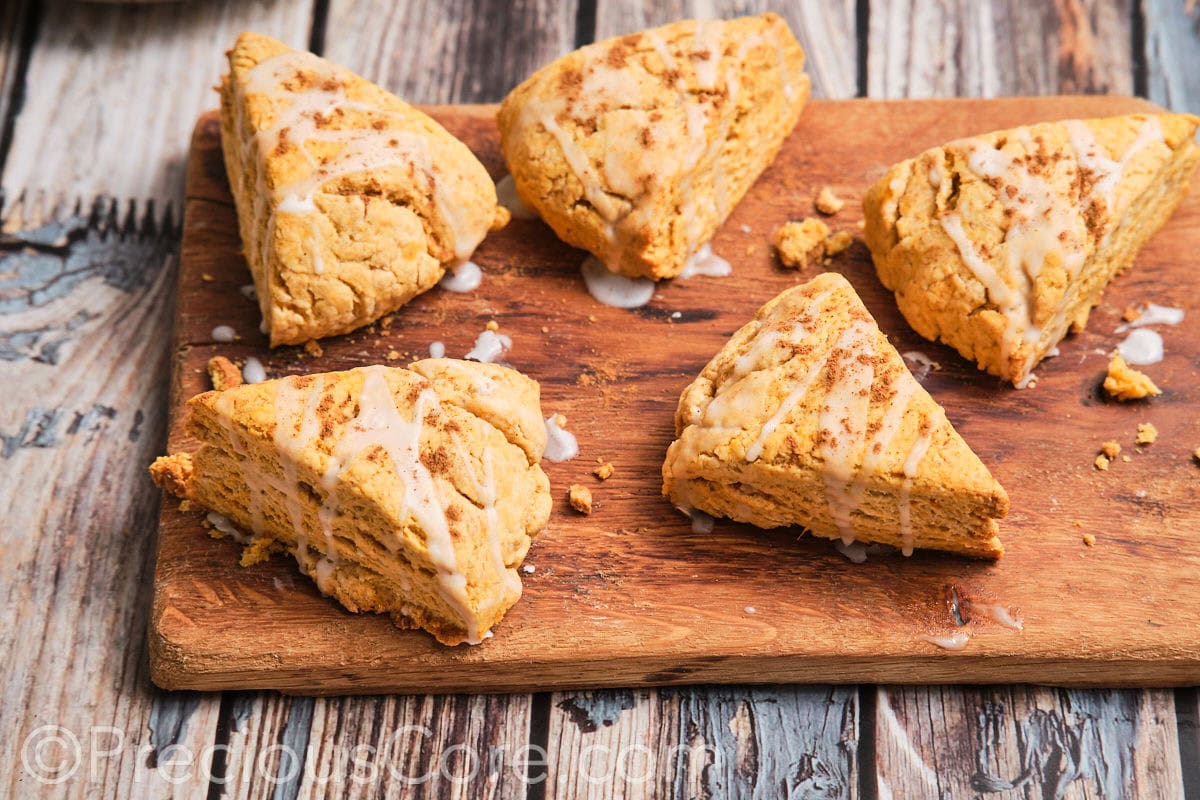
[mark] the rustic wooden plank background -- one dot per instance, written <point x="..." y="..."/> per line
<point x="96" y="103"/>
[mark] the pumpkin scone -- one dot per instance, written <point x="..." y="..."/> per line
<point x="350" y="201"/>
<point x="998" y="244"/>
<point x="808" y="416"/>
<point x="411" y="492"/>
<point x="637" y="148"/>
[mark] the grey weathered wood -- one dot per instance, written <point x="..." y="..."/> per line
<point x="115" y="91"/>
<point x="451" y="52"/>
<point x="965" y="48"/>
<point x="1027" y="741"/>
<point x="1172" y="45"/>
<point x="826" y="30"/>
<point x="13" y="18"/>
<point x="704" y="742"/>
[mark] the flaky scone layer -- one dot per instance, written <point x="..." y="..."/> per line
<point x="999" y="244"/>
<point x="412" y="492"/>
<point x="637" y="148"/>
<point x="809" y="417"/>
<point x="350" y="201"/>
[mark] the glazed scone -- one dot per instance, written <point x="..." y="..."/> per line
<point x="637" y="148"/>
<point x="350" y="201"/>
<point x="997" y="244"/>
<point x="411" y="492"/>
<point x="808" y="416"/>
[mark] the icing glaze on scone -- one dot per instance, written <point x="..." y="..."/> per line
<point x="1039" y="219"/>
<point x="808" y="416"/>
<point x="643" y="126"/>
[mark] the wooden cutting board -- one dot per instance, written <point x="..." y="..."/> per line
<point x="630" y="595"/>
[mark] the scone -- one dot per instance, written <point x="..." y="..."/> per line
<point x="412" y="492"/>
<point x="809" y="417"/>
<point x="997" y="244"/>
<point x="637" y="148"/>
<point x="350" y="201"/>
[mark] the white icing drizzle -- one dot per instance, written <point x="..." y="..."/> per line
<point x="437" y="350"/>
<point x="924" y="364"/>
<point x="618" y="187"/>
<point x="954" y="641"/>
<point x="299" y="118"/>
<point x="223" y="334"/>
<point x="705" y="262"/>
<point x="223" y="524"/>
<point x="856" y="552"/>
<point x="1043" y="223"/>
<point x="999" y="614"/>
<point x="489" y="346"/>
<point x="561" y="444"/>
<point x="615" y="290"/>
<point x="1142" y="346"/>
<point x="249" y="292"/>
<point x="912" y="462"/>
<point x="701" y="522"/>
<point x="296" y="426"/>
<point x="1154" y="314"/>
<point x="506" y="195"/>
<point x="253" y="372"/>
<point x="462" y="276"/>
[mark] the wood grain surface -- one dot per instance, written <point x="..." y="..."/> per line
<point x="634" y="597"/>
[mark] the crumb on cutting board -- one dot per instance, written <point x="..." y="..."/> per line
<point x="1123" y="382"/>
<point x="1089" y="540"/>
<point x="801" y="243"/>
<point x="223" y="373"/>
<point x="313" y="348"/>
<point x="604" y="471"/>
<point x="581" y="498"/>
<point x="1111" y="448"/>
<point x="1147" y="433"/>
<point x="1102" y="462"/>
<point x="827" y="202"/>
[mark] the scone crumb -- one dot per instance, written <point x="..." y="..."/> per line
<point x="204" y="276"/>
<point x="1130" y="314"/>
<point x="1147" y="433"/>
<point x="838" y="243"/>
<point x="393" y="355"/>
<point x="386" y="322"/>
<point x="492" y="325"/>
<point x="1078" y="523"/>
<point x="172" y="473"/>
<point x="545" y="329"/>
<point x="828" y="202"/>
<point x="259" y="550"/>
<point x="501" y="219"/>
<point x="1126" y="459"/>
<point x="1111" y="448"/>
<point x="560" y="420"/>
<point x="313" y="349"/>
<point x="185" y="506"/>
<point x="223" y="373"/>
<point x="604" y="471"/>
<point x="1123" y="382"/>
<point x="1102" y="462"/>
<point x="801" y="243"/>
<point x="581" y="498"/>
<point x="1089" y="540"/>
<point x="1196" y="455"/>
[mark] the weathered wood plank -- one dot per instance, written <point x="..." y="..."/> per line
<point x="118" y="89"/>
<point x="450" y="52"/>
<point x="1026" y="742"/>
<point x="826" y="30"/>
<point x="704" y="742"/>
<point x="1172" y="50"/>
<point x="14" y="17"/>
<point x="964" y="48"/>
<point x="85" y="303"/>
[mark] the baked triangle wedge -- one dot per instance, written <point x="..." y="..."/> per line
<point x="411" y="492"/>
<point x="808" y="416"/>
<point x="637" y="148"/>
<point x="999" y="244"/>
<point x="350" y="201"/>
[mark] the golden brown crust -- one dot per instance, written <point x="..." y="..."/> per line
<point x="378" y="480"/>
<point x="636" y="148"/>
<point x="809" y="417"/>
<point x="336" y="246"/>
<point x="951" y="234"/>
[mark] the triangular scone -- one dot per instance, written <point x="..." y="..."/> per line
<point x="637" y="148"/>
<point x="350" y="201"/>
<point x="412" y="492"/>
<point x="997" y="244"/>
<point x="809" y="417"/>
